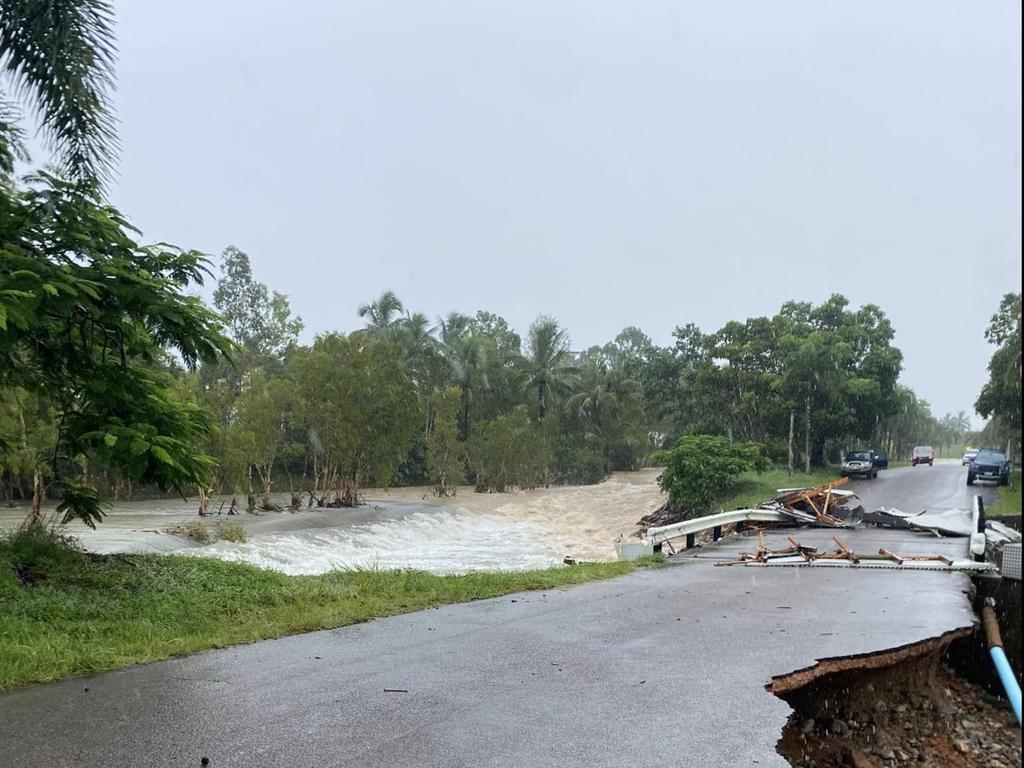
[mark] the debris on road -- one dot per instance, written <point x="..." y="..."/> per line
<point x="823" y="504"/>
<point x="799" y="554"/>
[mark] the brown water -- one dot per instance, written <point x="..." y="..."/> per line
<point x="401" y="528"/>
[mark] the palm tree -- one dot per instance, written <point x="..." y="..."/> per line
<point x="467" y="357"/>
<point x="607" y="406"/>
<point x="548" y="366"/>
<point x="453" y="326"/>
<point x="59" y="55"/>
<point x="383" y="314"/>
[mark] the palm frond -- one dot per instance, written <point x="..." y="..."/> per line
<point x="60" y="55"/>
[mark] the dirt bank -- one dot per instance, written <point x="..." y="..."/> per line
<point x="914" y="712"/>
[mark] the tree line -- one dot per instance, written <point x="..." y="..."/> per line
<point x="463" y="398"/>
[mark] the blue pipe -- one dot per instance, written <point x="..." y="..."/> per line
<point x="1007" y="677"/>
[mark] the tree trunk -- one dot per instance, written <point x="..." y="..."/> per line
<point x="464" y="416"/>
<point x="792" y="419"/>
<point x="35" y="515"/>
<point x="233" y="509"/>
<point x="807" y="438"/>
<point x="204" y="500"/>
<point x="350" y="491"/>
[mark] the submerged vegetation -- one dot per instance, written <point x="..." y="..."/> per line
<point x="65" y="612"/>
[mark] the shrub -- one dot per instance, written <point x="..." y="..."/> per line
<point x="702" y="468"/>
<point x="231" y="531"/>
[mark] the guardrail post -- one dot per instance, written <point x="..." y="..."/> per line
<point x="717" y="532"/>
<point x="691" y="540"/>
<point x="979" y="505"/>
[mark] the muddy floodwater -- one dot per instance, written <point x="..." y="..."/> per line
<point x="399" y="528"/>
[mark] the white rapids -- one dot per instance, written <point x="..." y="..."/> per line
<point x="405" y="528"/>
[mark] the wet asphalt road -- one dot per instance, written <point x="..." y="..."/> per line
<point x="662" y="667"/>
<point x="914" y="489"/>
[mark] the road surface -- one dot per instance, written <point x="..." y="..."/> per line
<point x="663" y="667"/>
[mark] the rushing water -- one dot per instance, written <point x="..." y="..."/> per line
<point x="404" y="528"/>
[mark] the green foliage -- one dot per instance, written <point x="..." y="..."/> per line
<point x="701" y="468"/>
<point x="508" y="452"/>
<point x="60" y="55"/>
<point x="88" y="613"/>
<point x="360" y="404"/>
<point x="86" y="315"/>
<point x="228" y="530"/>
<point x="257" y="319"/>
<point x="444" y="453"/>
<point x="259" y="430"/>
<point x="1000" y="398"/>
<point x="548" y="365"/>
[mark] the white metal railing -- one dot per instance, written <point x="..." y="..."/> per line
<point x="665" y="532"/>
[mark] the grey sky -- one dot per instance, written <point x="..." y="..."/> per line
<point x="611" y="164"/>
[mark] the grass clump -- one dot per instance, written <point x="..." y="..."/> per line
<point x="66" y="612"/>
<point x="207" y="533"/>
<point x="1009" y="503"/>
<point x="231" y="531"/>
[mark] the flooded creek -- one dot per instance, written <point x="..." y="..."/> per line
<point x="399" y="528"/>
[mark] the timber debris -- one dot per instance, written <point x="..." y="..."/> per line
<point x="812" y="554"/>
<point x="823" y="505"/>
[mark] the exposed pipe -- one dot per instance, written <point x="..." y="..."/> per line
<point x="995" y="649"/>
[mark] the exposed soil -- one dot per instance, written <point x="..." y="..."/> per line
<point x="914" y="712"/>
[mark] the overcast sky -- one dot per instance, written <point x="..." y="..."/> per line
<point x="609" y="163"/>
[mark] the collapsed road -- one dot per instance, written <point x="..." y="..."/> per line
<point x="664" y="666"/>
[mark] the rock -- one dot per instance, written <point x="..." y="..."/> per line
<point x="886" y="753"/>
<point x="858" y="759"/>
<point x="839" y="728"/>
<point x="807" y="726"/>
<point x="901" y="708"/>
<point x="962" y="746"/>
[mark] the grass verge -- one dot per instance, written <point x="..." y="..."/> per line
<point x="753" y="488"/>
<point x="65" y="612"/>
<point x="1009" y="503"/>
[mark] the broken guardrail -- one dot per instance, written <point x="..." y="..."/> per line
<point x="814" y="506"/>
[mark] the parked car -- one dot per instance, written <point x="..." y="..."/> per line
<point x="859" y="464"/>
<point x="923" y="454"/>
<point x="989" y="465"/>
<point x="969" y="457"/>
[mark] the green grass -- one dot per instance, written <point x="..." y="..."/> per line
<point x="87" y="613"/>
<point x="754" y="488"/>
<point x="1009" y="498"/>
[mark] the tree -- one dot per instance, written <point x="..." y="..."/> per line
<point x="258" y="320"/>
<point x="548" y="364"/>
<point x="27" y="434"/>
<point x="361" y="405"/>
<point x="382" y="315"/>
<point x="1000" y="397"/>
<point x="60" y="56"/>
<point x="444" y="453"/>
<point x="467" y="357"/>
<point x="507" y="452"/>
<point x="701" y="468"/>
<point x="259" y="430"/>
<point x="85" y="316"/>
